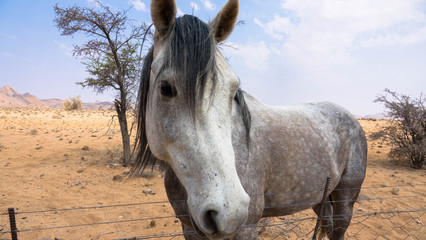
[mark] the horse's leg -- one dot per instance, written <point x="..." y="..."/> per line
<point x="343" y="198"/>
<point x="326" y="226"/>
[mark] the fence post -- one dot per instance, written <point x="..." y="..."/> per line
<point x="12" y="221"/>
<point x="323" y="201"/>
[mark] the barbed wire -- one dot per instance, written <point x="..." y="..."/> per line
<point x="252" y="195"/>
<point x="96" y="207"/>
<point x="336" y="217"/>
<point x="355" y="216"/>
<point x="280" y="223"/>
<point x="99" y="223"/>
<point x="251" y="207"/>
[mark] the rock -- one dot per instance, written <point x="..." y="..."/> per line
<point x="117" y="178"/>
<point x="152" y="224"/>
<point x="395" y="191"/>
<point x="81" y="170"/>
<point x="85" y="148"/>
<point x="39" y="147"/>
<point x="148" y="191"/>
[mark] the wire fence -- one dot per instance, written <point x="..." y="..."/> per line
<point x="386" y="216"/>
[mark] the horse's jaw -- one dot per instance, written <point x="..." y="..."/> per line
<point x="217" y="202"/>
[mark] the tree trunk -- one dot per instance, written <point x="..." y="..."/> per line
<point x="122" y="119"/>
<point x="417" y="160"/>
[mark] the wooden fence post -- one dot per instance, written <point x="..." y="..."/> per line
<point x="12" y="221"/>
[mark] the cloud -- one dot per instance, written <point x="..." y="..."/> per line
<point x="254" y="55"/>
<point x="195" y="6"/>
<point x="64" y="48"/>
<point x="8" y="54"/>
<point x="277" y="28"/>
<point x="138" y="5"/>
<point x="93" y="2"/>
<point x="8" y="36"/>
<point x="325" y="33"/>
<point x="208" y="5"/>
<point x="392" y="38"/>
<point x="179" y="12"/>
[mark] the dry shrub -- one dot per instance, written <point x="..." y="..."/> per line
<point x="406" y="131"/>
<point x="73" y="103"/>
<point x="114" y="155"/>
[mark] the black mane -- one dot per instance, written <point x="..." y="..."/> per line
<point x="191" y="55"/>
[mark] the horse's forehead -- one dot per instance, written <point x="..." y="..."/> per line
<point x="226" y="76"/>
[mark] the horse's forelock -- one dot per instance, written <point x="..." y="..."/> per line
<point x="191" y="56"/>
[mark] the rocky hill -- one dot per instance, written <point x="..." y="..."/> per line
<point x="9" y="97"/>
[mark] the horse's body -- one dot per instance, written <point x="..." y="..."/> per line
<point x="292" y="152"/>
<point x="233" y="159"/>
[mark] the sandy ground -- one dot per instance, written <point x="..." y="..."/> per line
<point x="51" y="159"/>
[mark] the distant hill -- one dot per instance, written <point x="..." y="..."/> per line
<point x="9" y="97"/>
<point x="53" y="102"/>
<point x="376" y="116"/>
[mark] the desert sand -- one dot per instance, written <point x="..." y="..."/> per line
<point x="51" y="159"/>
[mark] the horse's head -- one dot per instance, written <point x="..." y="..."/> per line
<point x="187" y="114"/>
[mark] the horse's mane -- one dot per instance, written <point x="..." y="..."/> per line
<point x="190" y="42"/>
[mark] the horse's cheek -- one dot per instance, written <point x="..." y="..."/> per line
<point x="155" y="134"/>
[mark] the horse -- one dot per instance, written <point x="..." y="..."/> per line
<point x="232" y="160"/>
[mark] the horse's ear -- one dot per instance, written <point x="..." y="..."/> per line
<point x="163" y="14"/>
<point x="225" y="21"/>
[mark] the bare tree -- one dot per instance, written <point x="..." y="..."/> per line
<point x="407" y="127"/>
<point x="110" y="54"/>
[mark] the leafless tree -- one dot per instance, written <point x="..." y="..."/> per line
<point x="406" y="130"/>
<point x="110" y="55"/>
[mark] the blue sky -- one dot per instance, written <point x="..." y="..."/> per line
<point x="288" y="51"/>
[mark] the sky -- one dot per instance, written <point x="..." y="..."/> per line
<point x="287" y="52"/>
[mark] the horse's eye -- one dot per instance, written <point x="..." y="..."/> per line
<point x="167" y="90"/>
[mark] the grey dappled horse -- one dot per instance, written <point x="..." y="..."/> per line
<point x="232" y="159"/>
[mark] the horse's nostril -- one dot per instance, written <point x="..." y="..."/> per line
<point x="209" y="221"/>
